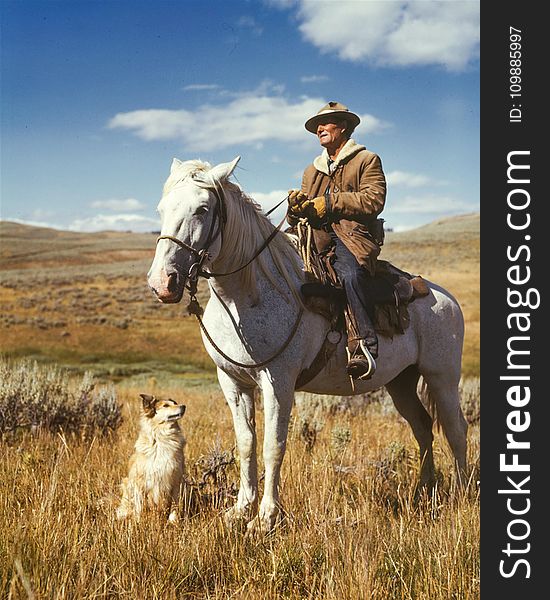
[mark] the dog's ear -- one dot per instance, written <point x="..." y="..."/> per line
<point x="148" y="403"/>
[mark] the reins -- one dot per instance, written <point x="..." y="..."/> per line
<point x="233" y="361"/>
<point x="196" y="271"/>
<point x="208" y="274"/>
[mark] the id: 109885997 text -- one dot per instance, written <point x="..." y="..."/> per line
<point x="514" y="75"/>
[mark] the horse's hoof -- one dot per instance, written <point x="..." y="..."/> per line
<point x="265" y="525"/>
<point x="259" y="527"/>
<point x="425" y="492"/>
<point x="236" y="518"/>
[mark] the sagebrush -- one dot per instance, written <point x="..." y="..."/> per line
<point x="36" y="397"/>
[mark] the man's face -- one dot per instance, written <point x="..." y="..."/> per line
<point x="331" y="134"/>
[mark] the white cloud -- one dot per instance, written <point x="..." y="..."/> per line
<point x="40" y="214"/>
<point x="413" y="211"/>
<point x="264" y="88"/>
<point x="430" y="204"/>
<point x="314" y="78"/>
<point x="116" y="204"/>
<point x="391" y="33"/>
<point x="405" y="226"/>
<point x="249" y="22"/>
<point x="248" y="119"/>
<point x="119" y="222"/>
<point x="410" y="180"/>
<point x="201" y="87"/>
<point x="281" y="3"/>
<point x="400" y="214"/>
<point x="100" y="222"/>
<point x="269" y="200"/>
<point x="34" y="223"/>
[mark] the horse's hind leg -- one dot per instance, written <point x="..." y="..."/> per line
<point x="443" y="393"/>
<point x="402" y="390"/>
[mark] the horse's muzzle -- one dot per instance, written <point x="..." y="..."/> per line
<point x="168" y="288"/>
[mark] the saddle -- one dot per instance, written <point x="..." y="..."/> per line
<point x="391" y="290"/>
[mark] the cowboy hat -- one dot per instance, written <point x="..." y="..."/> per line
<point x="332" y="109"/>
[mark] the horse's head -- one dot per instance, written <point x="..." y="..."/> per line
<point x="192" y="213"/>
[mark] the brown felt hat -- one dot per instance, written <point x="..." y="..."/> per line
<point x="332" y="108"/>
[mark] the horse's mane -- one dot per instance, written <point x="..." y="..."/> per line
<point x="182" y="170"/>
<point x="246" y="229"/>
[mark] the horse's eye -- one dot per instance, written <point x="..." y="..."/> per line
<point x="202" y="210"/>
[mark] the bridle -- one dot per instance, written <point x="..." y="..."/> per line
<point x="196" y="270"/>
<point x="220" y="217"/>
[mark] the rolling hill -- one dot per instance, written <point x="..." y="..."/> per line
<point x="81" y="299"/>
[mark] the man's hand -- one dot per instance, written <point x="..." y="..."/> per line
<point x="315" y="210"/>
<point x="296" y="199"/>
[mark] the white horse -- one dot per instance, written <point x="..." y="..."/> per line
<point x="259" y="334"/>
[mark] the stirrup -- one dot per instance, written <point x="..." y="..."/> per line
<point x="370" y="360"/>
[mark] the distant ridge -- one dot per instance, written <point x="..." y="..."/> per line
<point x="467" y="221"/>
<point x="21" y="229"/>
<point x="464" y="222"/>
<point x="465" y="227"/>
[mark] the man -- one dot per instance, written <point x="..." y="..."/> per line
<point x="342" y="194"/>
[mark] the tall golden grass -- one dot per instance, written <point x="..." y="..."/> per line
<point x="351" y="529"/>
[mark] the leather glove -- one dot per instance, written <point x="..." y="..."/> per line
<point x="315" y="210"/>
<point x="296" y="199"/>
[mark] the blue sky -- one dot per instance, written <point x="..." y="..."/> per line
<point x="98" y="96"/>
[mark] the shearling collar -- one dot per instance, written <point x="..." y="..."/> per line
<point x="351" y="148"/>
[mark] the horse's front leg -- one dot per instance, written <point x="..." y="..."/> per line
<point x="277" y="408"/>
<point x="241" y="403"/>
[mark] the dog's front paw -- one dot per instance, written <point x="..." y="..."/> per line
<point x="121" y="513"/>
<point x="173" y="517"/>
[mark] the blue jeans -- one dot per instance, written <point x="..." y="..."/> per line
<point x="356" y="282"/>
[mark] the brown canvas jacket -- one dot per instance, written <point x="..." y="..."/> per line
<point x="356" y="195"/>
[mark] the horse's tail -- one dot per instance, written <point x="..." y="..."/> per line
<point x="429" y="402"/>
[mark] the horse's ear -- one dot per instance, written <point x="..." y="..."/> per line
<point x="176" y="162"/>
<point x="222" y="171"/>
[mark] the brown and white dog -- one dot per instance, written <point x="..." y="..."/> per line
<point x="156" y="469"/>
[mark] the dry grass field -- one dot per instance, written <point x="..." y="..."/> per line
<point x="82" y="300"/>
<point x="351" y="528"/>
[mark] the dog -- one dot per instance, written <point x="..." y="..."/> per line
<point x="156" y="469"/>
